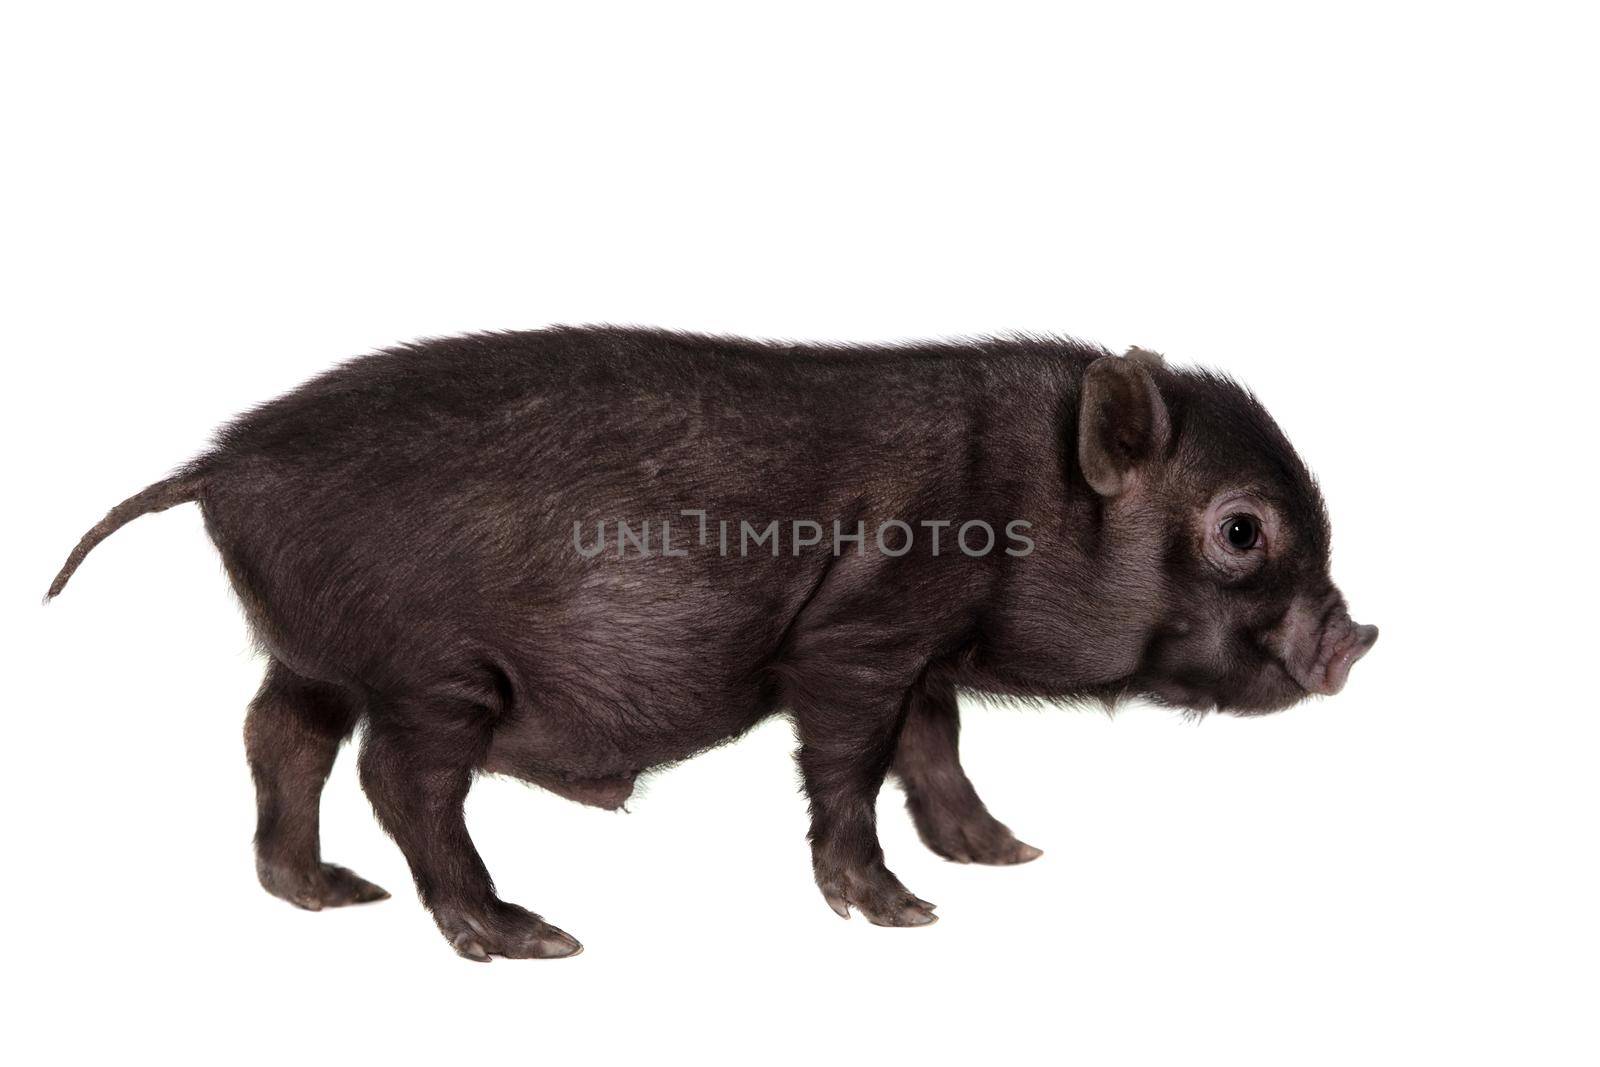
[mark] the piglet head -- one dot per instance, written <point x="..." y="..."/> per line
<point x="1232" y="534"/>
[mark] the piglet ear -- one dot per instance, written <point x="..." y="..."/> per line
<point x="1122" y="423"/>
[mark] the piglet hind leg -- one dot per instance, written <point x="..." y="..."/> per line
<point x="949" y="816"/>
<point x="292" y="734"/>
<point x="417" y="764"/>
<point x="845" y="752"/>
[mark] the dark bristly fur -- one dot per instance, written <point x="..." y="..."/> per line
<point x="400" y="531"/>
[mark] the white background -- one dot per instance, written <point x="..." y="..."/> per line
<point x="1381" y="217"/>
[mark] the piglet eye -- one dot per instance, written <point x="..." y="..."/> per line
<point x="1242" y="532"/>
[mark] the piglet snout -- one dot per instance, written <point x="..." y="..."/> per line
<point x="1357" y="643"/>
<point x="1318" y="643"/>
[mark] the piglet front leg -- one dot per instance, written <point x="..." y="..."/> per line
<point x="846" y="749"/>
<point x="950" y="817"/>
